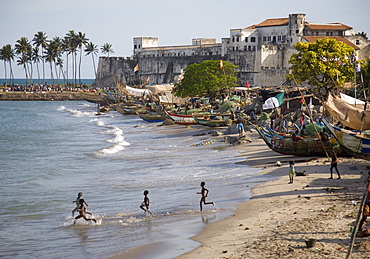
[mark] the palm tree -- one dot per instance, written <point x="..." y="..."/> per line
<point x="24" y="50"/>
<point x="71" y="37"/>
<point x="40" y="40"/>
<point x="92" y="49"/>
<point x="67" y="50"/>
<point x="107" y="48"/>
<point x="57" y="48"/>
<point x="7" y="55"/>
<point x="81" y="41"/>
<point x="50" y="56"/>
<point x="36" y="59"/>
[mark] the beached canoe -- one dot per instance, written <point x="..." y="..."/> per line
<point x="93" y="98"/>
<point x="152" y="117"/>
<point x="283" y="144"/>
<point x="183" y="119"/>
<point x="354" y="143"/>
<point x="213" y="122"/>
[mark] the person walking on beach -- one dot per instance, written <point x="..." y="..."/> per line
<point x="204" y="193"/>
<point x="334" y="164"/>
<point x="145" y="205"/>
<point x="240" y="127"/>
<point x="77" y="201"/>
<point x="83" y="212"/>
<point x="291" y="171"/>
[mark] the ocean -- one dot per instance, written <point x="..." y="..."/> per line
<point x="23" y="81"/>
<point x="50" y="151"/>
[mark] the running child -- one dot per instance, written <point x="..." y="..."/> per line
<point x="83" y="212"/>
<point x="77" y="201"/>
<point x="145" y="205"/>
<point x="204" y="193"/>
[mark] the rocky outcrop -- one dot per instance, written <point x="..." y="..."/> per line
<point x="40" y="96"/>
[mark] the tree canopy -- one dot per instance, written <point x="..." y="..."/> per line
<point x="209" y="78"/>
<point x="324" y="64"/>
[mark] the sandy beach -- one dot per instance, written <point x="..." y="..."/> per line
<point x="280" y="217"/>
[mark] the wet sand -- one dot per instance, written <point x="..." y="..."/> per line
<point x="279" y="217"/>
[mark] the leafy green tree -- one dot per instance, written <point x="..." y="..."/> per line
<point x="366" y="76"/>
<point x="324" y="64"/>
<point x="209" y="78"/>
<point x="92" y="49"/>
<point x="107" y="48"/>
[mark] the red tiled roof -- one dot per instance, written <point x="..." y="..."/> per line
<point x="328" y="26"/>
<point x="273" y="22"/>
<point x="251" y="27"/>
<point x="344" y="40"/>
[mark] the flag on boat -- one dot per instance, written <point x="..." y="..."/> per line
<point x="221" y="64"/>
<point x="136" y="68"/>
<point x="273" y="102"/>
<point x="247" y="84"/>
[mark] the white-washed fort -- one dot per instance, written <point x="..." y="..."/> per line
<point x="262" y="52"/>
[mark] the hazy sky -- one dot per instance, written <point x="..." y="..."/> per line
<point x="173" y="22"/>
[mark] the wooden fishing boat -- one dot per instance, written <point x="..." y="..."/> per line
<point x="93" y="98"/>
<point x="183" y="119"/>
<point x="213" y="121"/>
<point x="152" y="117"/>
<point x="283" y="144"/>
<point x="349" y="111"/>
<point x="354" y="143"/>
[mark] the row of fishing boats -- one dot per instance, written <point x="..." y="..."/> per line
<point x="349" y="142"/>
<point x="151" y="112"/>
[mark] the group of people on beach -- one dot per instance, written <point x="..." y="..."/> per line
<point x="81" y="204"/>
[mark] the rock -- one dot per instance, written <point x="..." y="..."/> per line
<point x="168" y="122"/>
<point x="215" y="133"/>
<point x="237" y="140"/>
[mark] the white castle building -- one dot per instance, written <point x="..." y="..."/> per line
<point x="262" y="51"/>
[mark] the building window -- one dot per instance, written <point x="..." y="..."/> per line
<point x="283" y="38"/>
<point x="357" y="42"/>
<point x="331" y="33"/>
<point x="279" y="37"/>
<point x="135" y="46"/>
<point x="233" y="39"/>
<point x="237" y="39"/>
<point x="269" y="38"/>
<point x="264" y="38"/>
<point x="245" y="48"/>
<point x="312" y="33"/>
<point x="327" y="33"/>
<point x="253" y="39"/>
<point x="246" y="39"/>
<point x="296" y="31"/>
<point x="236" y="48"/>
<point x="249" y="48"/>
<point x="317" y="33"/>
<point x="210" y="53"/>
<point x="340" y="33"/>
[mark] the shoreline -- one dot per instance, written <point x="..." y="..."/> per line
<point x="279" y="217"/>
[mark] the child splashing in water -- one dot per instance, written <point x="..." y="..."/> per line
<point x="204" y="193"/>
<point x="145" y="205"/>
<point x="83" y="212"/>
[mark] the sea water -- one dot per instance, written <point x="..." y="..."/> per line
<point x="50" y="151"/>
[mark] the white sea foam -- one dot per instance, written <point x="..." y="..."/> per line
<point x="77" y="113"/>
<point x="118" y="139"/>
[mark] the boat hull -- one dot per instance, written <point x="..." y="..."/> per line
<point x="304" y="147"/>
<point x="353" y="142"/>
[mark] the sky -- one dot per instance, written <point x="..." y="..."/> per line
<point x="174" y="22"/>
